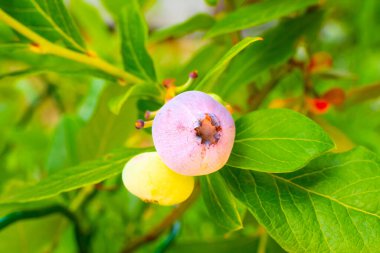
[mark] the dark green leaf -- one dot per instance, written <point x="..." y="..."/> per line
<point x="49" y="18"/>
<point x="133" y="35"/>
<point x="75" y="177"/>
<point x="220" y="203"/>
<point x="206" y="82"/>
<point x="256" y="14"/>
<point x="198" y="22"/>
<point x="277" y="140"/>
<point x="278" y="46"/>
<point x="331" y="205"/>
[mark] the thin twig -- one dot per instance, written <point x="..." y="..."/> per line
<point x="263" y="243"/>
<point x="156" y="231"/>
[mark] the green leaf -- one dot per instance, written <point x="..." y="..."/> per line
<point x="220" y="203"/>
<point x="94" y="28"/>
<point x="277" y="140"/>
<point x="106" y="131"/>
<point x="201" y="61"/>
<point x="10" y="48"/>
<point x="198" y="22"/>
<point x="240" y="244"/>
<point x="21" y="73"/>
<point x="41" y="63"/>
<point x="277" y="47"/>
<point x="48" y="18"/>
<point x="88" y="104"/>
<point x="63" y="150"/>
<point x="256" y="14"/>
<point x="212" y="2"/>
<point x="133" y="38"/>
<point x="223" y="62"/>
<point x="75" y="177"/>
<point x="331" y="205"/>
<point x="138" y="90"/>
<point x="114" y="7"/>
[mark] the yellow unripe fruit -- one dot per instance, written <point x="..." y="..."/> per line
<point x="148" y="178"/>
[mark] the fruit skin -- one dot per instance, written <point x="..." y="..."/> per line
<point x="148" y="178"/>
<point x="175" y="135"/>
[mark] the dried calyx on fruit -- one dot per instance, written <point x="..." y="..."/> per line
<point x="148" y="178"/>
<point x="193" y="134"/>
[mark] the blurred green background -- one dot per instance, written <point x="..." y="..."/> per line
<point x="55" y="114"/>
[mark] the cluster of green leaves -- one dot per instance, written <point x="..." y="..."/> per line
<point x="66" y="127"/>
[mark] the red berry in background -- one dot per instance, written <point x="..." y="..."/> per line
<point x="193" y="134"/>
<point x="335" y="96"/>
<point x="318" y="105"/>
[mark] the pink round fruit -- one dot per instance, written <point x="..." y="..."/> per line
<point x="193" y="134"/>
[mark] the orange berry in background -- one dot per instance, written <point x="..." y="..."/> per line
<point x="320" y="62"/>
<point x="335" y="96"/>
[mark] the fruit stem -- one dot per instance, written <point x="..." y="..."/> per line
<point x="263" y="243"/>
<point x="140" y="124"/>
<point x="150" y="114"/>
<point x="192" y="76"/>
<point x="167" y="222"/>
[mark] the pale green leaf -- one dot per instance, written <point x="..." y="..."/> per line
<point x="94" y="28"/>
<point x="212" y="2"/>
<point x="133" y="38"/>
<point x="201" y="61"/>
<point x="138" y="90"/>
<point x="277" y="140"/>
<point x="21" y="73"/>
<point x="206" y="82"/>
<point x="256" y="14"/>
<point x="106" y="131"/>
<point x="198" y="22"/>
<point x="331" y="205"/>
<point x="220" y="203"/>
<point x="75" y="177"/>
<point x="63" y="149"/>
<point x="49" y="18"/>
<point x="88" y="105"/>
